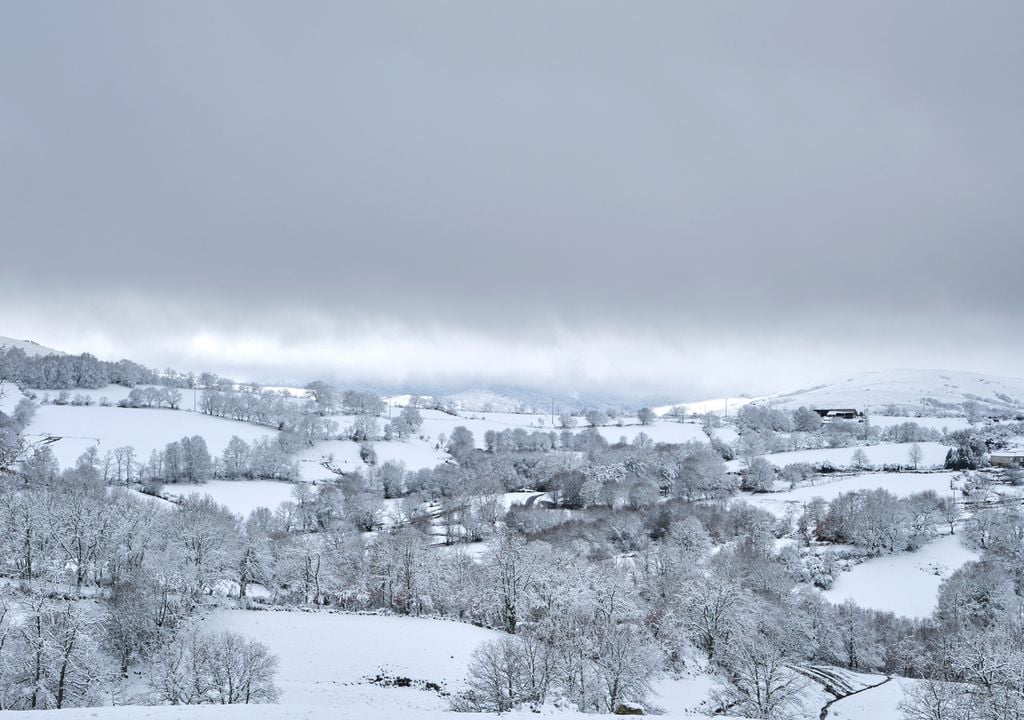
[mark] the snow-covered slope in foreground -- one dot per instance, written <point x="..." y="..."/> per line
<point x="907" y="389"/>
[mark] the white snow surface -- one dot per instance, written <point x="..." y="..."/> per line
<point x="905" y="584"/>
<point x="415" y="453"/>
<point x="878" y="703"/>
<point x="240" y="496"/>
<point x="144" y="429"/>
<point x="325" y="658"/>
<point x="344" y="455"/>
<point x="727" y="434"/>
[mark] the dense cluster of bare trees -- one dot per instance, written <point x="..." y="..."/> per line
<point x="106" y="578"/>
<point x="66" y="372"/>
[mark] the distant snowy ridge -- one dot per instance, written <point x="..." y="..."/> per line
<point x="31" y="347"/>
<point x="924" y="392"/>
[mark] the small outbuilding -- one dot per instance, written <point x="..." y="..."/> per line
<point x="838" y="413"/>
<point x="1007" y="458"/>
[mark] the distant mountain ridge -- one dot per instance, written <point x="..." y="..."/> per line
<point x="907" y="391"/>
<point x="31" y="347"/>
<point x="924" y="392"/>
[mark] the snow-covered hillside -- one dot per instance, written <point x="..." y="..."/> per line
<point x="718" y="406"/>
<point x="907" y="583"/>
<point x="782" y="502"/>
<point x="933" y="454"/>
<point x="240" y="496"/>
<point x="327" y="659"/>
<point x="31" y="347"/>
<point x="925" y="392"/>
<point x="144" y="429"/>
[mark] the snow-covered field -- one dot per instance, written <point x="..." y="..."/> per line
<point x="687" y="695"/>
<point x="345" y="456"/>
<point x="905" y="584"/>
<point x="113" y="394"/>
<point x="899" y="484"/>
<point x="933" y="454"/>
<point x="326" y="658"/>
<point x="727" y="434"/>
<point x="144" y="429"/>
<point x="436" y="422"/>
<point x="240" y="496"/>
<point x="659" y="431"/>
<point x="942" y="424"/>
<point x="414" y="452"/>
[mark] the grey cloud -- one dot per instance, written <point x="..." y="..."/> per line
<point x="678" y="176"/>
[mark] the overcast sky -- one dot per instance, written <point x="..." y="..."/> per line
<point x="682" y="198"/>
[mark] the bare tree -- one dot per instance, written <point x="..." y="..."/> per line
<point x="225" y="668"/>
<point x="511" y="571"/>
<point x="915" y="454"/>
<point x="497" y="676"/>
<point x="932" y="700"/>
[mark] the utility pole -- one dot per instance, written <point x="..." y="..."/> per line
<point x="952" y="511"/>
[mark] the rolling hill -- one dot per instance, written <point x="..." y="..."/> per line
<point x="913" y="392"/>
<point x="30" y="347"/>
